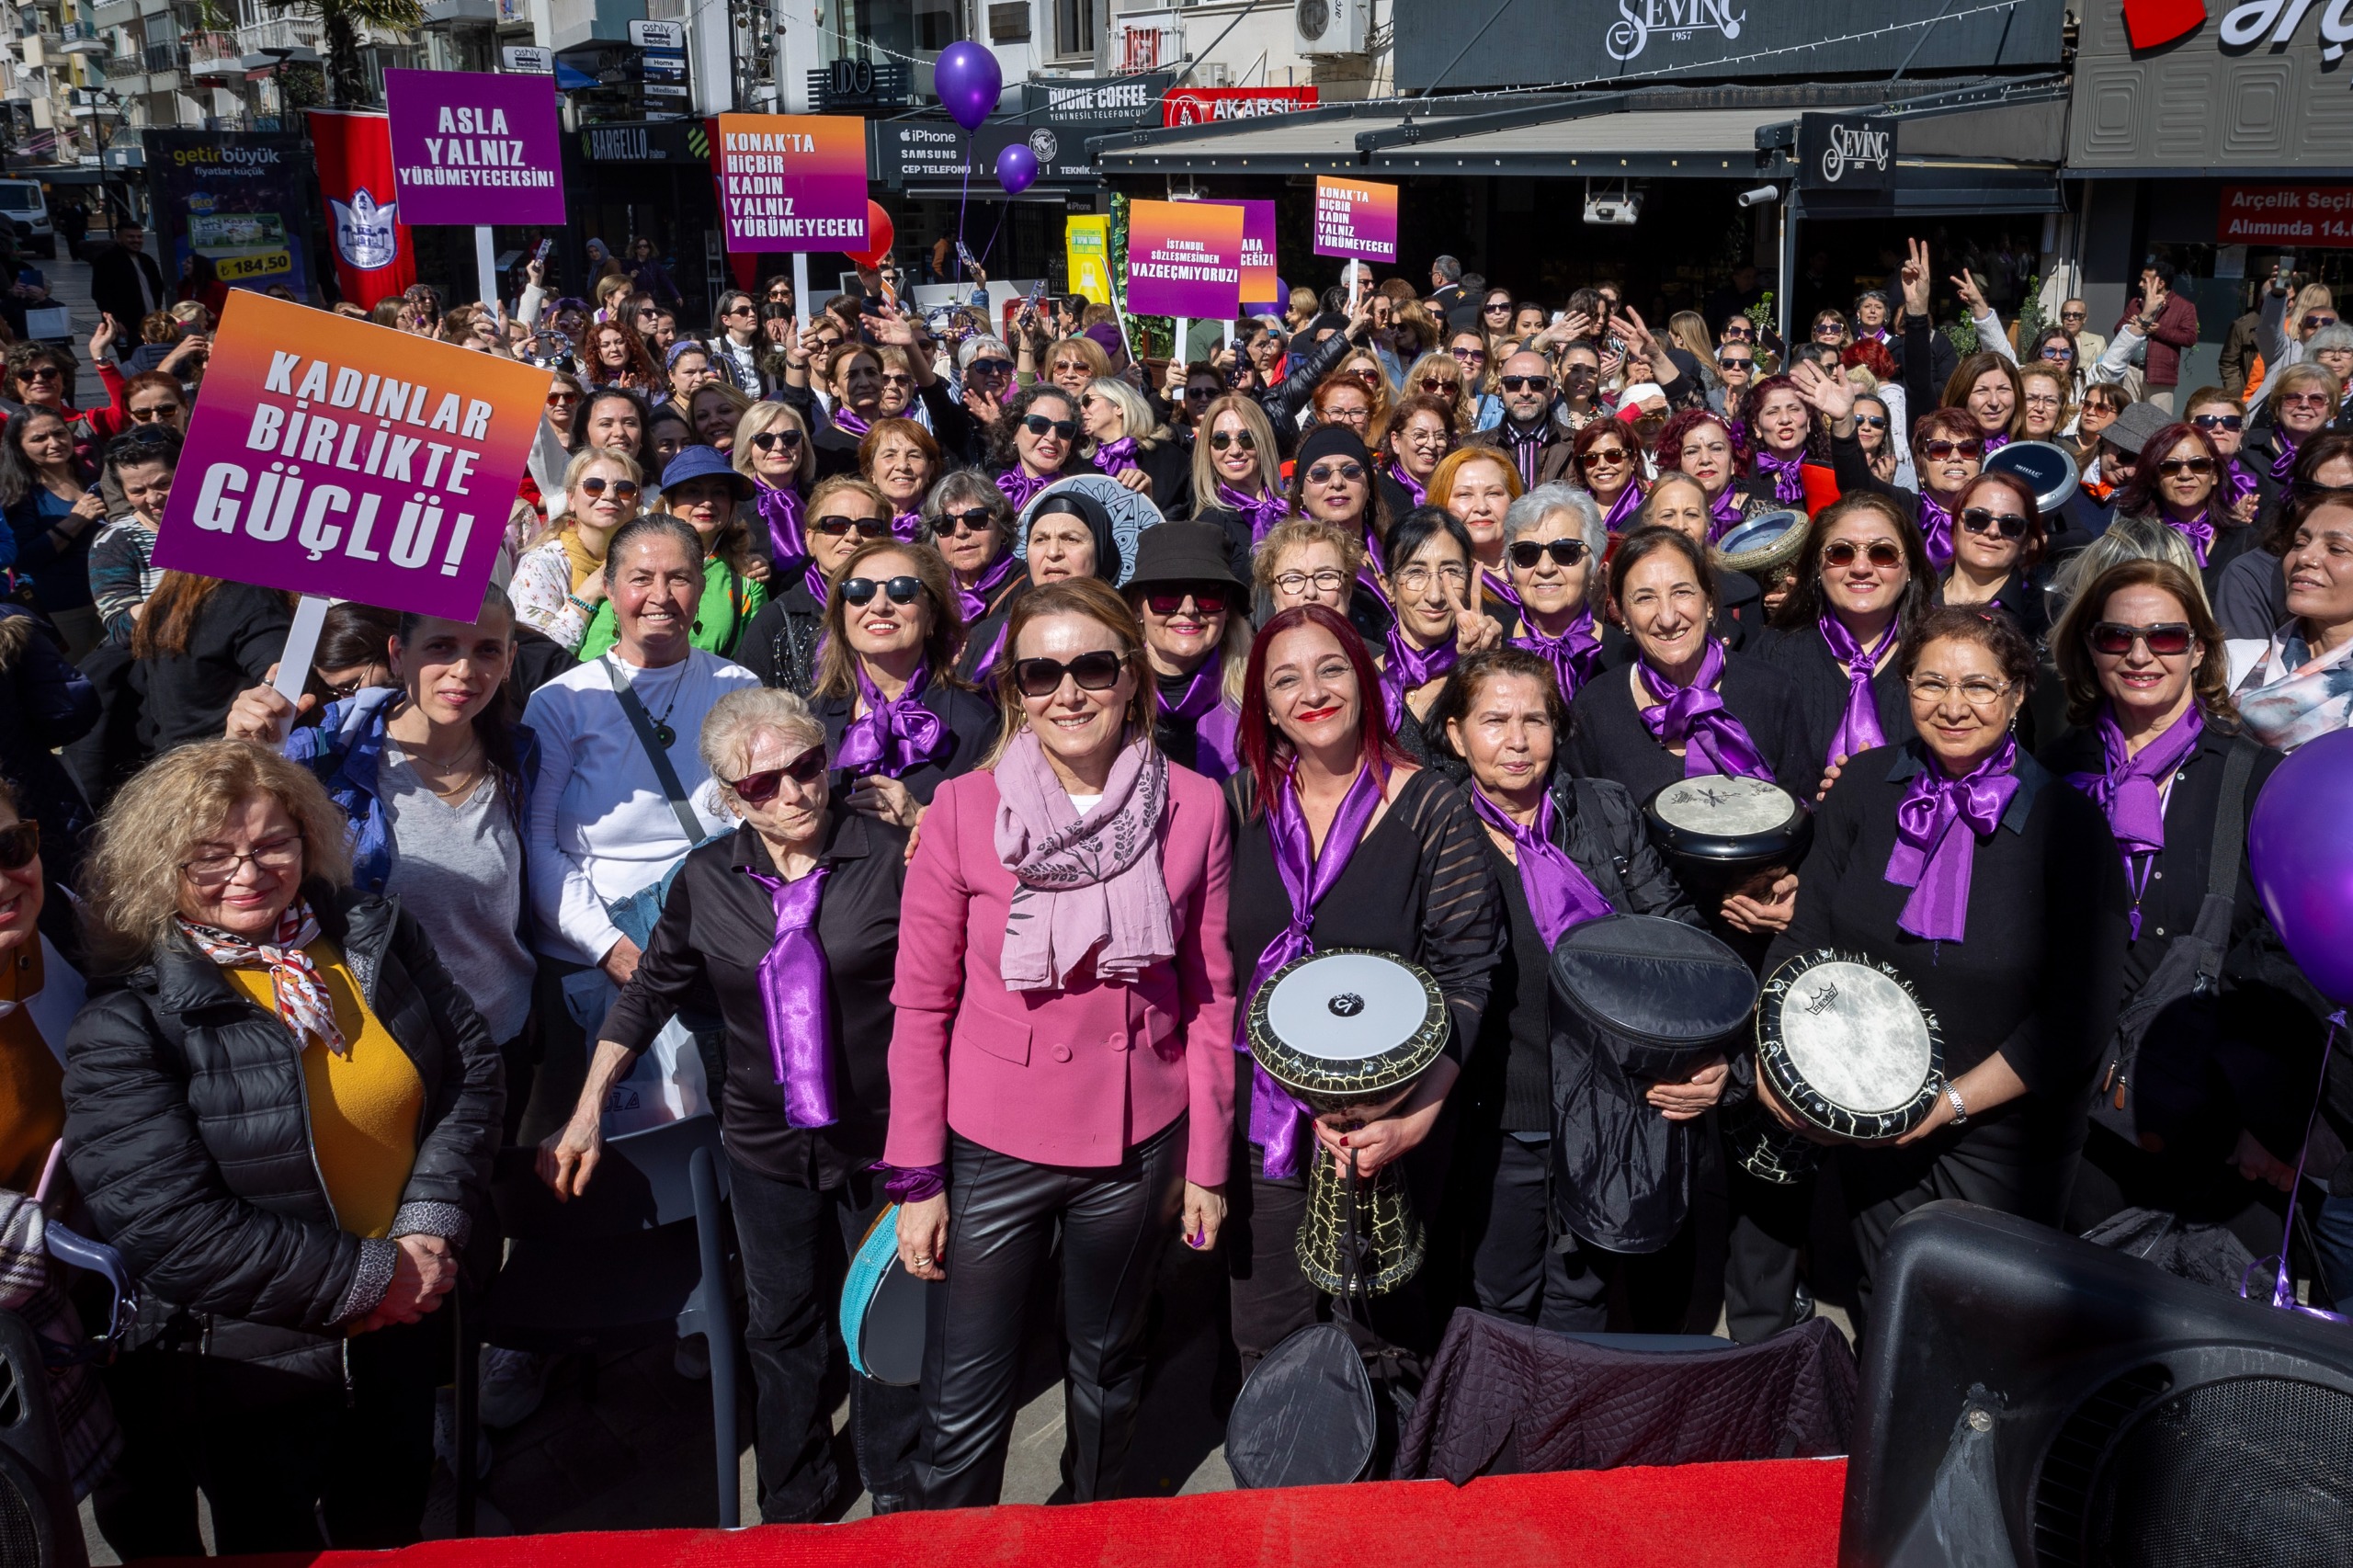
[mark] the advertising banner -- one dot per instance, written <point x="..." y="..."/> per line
<point x="792" y="182"/>
<point x="372" y="255"/>
<point x="361" y="463"/>
<point x="1261" y="288"/>
<point x="471" y="147"/>
<point x="229" y="202"/>
<point x="1355" y="218"/>
<point x="2306" y="217"/>
<point x="1211" y="106"/>
<point x="1185" y="259"/>
<point x="1087" y="246"/>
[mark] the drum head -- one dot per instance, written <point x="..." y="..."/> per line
<point x="1652" y="983"/>
<point x="884" y="1308"/>
<point x="1847" y="1046"/>
<point x="1762" y="543"/>
<point x="1130" y="514"/>
<point x="1348" y="1023"/>
<point x="1731" y="824"/>
<point x="2048" y="468"/>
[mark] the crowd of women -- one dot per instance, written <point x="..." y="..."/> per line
<point x="858" y="722"/>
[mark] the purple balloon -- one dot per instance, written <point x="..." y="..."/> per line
<point x="967" y="79"/>
<point x="1016" y="168"/>
<point x="2301" y="859"/>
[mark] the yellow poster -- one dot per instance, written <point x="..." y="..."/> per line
<point x="1087" y="241"/>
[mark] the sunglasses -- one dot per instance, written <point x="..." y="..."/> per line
<point x="2166" y="640"/>
<point x="2304" y="399"/>
<point x="622" y="489"/>
<point x="1098" y="670"/>
<point x="1038" y="425"/>
<point x="972" y="520"/>
<point x="773" y="441"/>
<point x="1224" y="439"/>
<point x="1600" y="455"/>
<point x="900" y="590"/>
<point x="1979" y="521"/>
<point x="1732" y="363"/>
<point x="988" y="367"/>
<point x="2057" y="351"/>
<point x="1470" y="356"/>
<point x="2219" y="421"/>
<point x="1738" y="335"/>
<point x="155" y="413"/>
<point x="1324" y="473"/>
<point x="759" y="789"/>
<point x="1526" y="553"/>
<point x="867" y="528"/>
<point x="18" y="845"/>
<point x="2071" y="315"/>
<point x="1061" y="365"/>
<point x="1443" y="389"/>
<point x="1940" y="449"/>
<point x="2315" y="321"/>
<point x="745" y="308"/>
<point x="1871" y="421"/>
<point x="1525" y="384"/>
<point x="1881" y="552"/>
<point x="1497" y="308"/>
<point x="1210" y="598"/>
<point x="2174" y="468"/>
<point x="41" y="373"/>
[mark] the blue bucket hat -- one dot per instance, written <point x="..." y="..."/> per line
<point x="705" y="462"/>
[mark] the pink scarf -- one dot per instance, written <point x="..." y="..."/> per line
<point x="1091" y="884"/>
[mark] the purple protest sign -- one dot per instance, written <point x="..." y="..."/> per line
<point x="1185" y="259"/>
<point x="337" y="457"/>
<point x="1261" y="288"/>
<point x="1355" y="218"/>
<point x="474" y="148"/>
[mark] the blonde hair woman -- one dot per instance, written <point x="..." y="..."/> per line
<point x="1441" y="376"/>
<point x="1126" y="442"/>
<point x="560" y="577"/>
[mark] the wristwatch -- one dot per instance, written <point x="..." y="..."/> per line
<point x="1960" y="1106"/>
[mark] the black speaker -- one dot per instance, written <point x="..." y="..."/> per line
<point x="2033" y="1401"/>
<point x="39" y="1526"/>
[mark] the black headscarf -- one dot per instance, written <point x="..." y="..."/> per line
<point x="1088" y="510"/>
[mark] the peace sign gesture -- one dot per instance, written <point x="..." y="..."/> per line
<point x="1966" y="285"/>
<point x="1474" y="630"/>
<point x="1915" y="274"/>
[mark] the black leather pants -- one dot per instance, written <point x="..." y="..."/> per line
<point x="1002" y="1214"/>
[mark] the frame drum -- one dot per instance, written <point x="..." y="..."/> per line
<point x="1762" y="543"/>
<point x="1721" y="834"/>
<point x="884" y="1308"/>
<point x="1845" y="1046"/>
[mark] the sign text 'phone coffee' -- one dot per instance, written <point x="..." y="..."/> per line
<point x="792" y="182"/>
<point x="474" y="147"/>
<point x="334" y="457"/>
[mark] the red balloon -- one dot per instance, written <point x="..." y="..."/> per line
<point x="879" y="235"/>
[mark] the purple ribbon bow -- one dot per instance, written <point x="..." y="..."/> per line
<point x="1859" y="728"/>
<point x="796" y="999"/>
<point x="1989" y="445"/>
<point x="1725" y="511"/>
<point x="1264" y="512"/>
<point x="2199" y="530"/>
<point x="1559" y="894"/>
<point x="1694" y="717"/>
<point x="897" y="735"/>
<point x="2238" y="483"/>
<point x="1933" y="860"/>
<point x="1413" y="487"/>
<point x="2283" y="463"/>
<point x="1936" y="530"/>
<point x="2128" y="789"/>
<point x="1020" y="487"/>
<point x="1574" y="654"/>
<point x="1499" y="584"/>
<point x="1116" y="457"/>
<point x="974" y="602"/>
<point x="1788" y="485"/>
<point x="788" y="546"/>
<point x="1629" y="502"/>
<point x="1409" y="670"/>
<point x="1216" y="727"/>
<point x="1276" y="1119"/>
<point x="849" y="422"/>
<point x="906" y="527"/>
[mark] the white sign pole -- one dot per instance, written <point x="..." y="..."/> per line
<point x="800" y="288"/>
<point x="302" y="643"/>
<point x="486" y="267"/>
<point x="1176" y="348"/>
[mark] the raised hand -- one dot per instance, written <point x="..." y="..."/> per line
<point x="1966" y="285"/>
<point x="1915" y="276"/>
<point x="1824" y="391"/>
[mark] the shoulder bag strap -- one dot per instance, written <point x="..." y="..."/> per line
<point x="2216" y="914"/>
<point x="688" y="823"/>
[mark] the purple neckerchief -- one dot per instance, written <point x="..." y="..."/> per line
<point x="898" y="734"/>
<point x="1695" y="715"/>
<point x="1859" y="728"/>
<point x="2238" y="483"/>
<point x="1200" y="692"/>
<point x="1217" y="744"/>
<point x="1263" y="513"/>
<point x="1789" y="486"/>
<point x="1936" y="530"/>
<point x="1019" y="486"/>
<point x="1558" y="893"/>
<point x="849" y="422"/>
<point x="974" y="601"/>
<point x="1629" y="502"/>
<point x="1116" y="457"/>
<point x="1989" y="445"/>
<point x="788" y="546"/>
<point x="2283" y="464"/>
<point x="906" y="527"/>
<point x="1409" y="668"/>
<point x="1275" y="1117"/>
<point x="1729" y="506"/>
<point x="1871" y="335"/>
<point x="1499" y="584"/>
<point x="2198" y="530"/>
<point x="1933" y="860"/>
<point x="2129" y="789"/>
<point x="796" y="998"/>
<point x="1574" y="654"/>
<point x="1413" y="487"/>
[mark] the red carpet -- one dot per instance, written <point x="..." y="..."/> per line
<point x="1776" y="1514"/>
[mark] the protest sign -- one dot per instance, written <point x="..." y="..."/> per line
<point x="792" y="182"/>
<point x="471" y="147"/>
<point x="1261" y="288"/>
<point x="1355" y="218"/>
<point x="1086" y="249"/>
<point x="1184" y="258"/>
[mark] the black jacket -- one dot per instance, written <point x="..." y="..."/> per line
<point x="187" y="1131"/>
<point x="1805" y="658"/>
<point x="236" y="635"/>
<point x="45" y="703"/>
<point x="971" y="720"/>
<point x="1169" y="466"/>
<point x="779" y="643"/>
<point x="114" y="286"/>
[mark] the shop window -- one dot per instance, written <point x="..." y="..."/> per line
<point x="895" y="28"/>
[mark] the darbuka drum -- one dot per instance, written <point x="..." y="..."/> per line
<point x="2048" y="468"/>
<point x="1844" y="1043"/>
<point x="1723" y="835"/>
<point x="884" y="1308"/>
<point x="1348" y="1031"/>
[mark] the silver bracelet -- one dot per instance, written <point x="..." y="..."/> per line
<point x="1960" y="1106"/>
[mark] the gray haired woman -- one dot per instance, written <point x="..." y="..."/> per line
<point x="1552" y="543"/>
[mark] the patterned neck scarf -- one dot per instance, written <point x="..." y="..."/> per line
<point x="295" y="982"/>
<point x="2291" y="697"/>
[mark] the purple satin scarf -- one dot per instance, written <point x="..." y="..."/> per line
<point x="1499" y="584"/>
<point x="851" y="423"/>
<point x="1116" y="457"/>
<point x="1527" y="450"/>
<point x="1276" y="1120"/>
<point x="1019" y="486"/>
<point x="1787" y="486"/>
<point x="1993" y="443"/>
<point x="1859" y="728"/>
<point x="1932" y="859"/>
<point x="1574" y="654"/>
<point x="906" y="527"/>
<point x="2283" y="464"/>
<point x="1936" y="530"/>
<point x="2238" y="483"/>
<point x="1409" y="668"/>
<point x="1413" y="487"/>
<point x="2128" y="790"/>
<point x="796" y="998"/>
<point x="1558" y="893"/>
<point x="1694" y="717"/>
<point x="1629" y="502"/>
<point x="1263" y="513"/>
<point x="974" y="602"/>
<point x="2199" y="531"/>
<point x="781" y="513"/>
<point x="1729" y="506"/>
<point x="897" y="735"/>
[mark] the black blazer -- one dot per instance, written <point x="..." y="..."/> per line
<point x="1801" y="655"/>
<point x="115" y="273"/>
<point x="1169" y="466"/>
<point x="971" y="720"/>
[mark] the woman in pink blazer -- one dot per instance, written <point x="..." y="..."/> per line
<point x="1063" y="1048"/>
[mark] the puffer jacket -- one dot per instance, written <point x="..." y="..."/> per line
<point x="187" y="1131"/>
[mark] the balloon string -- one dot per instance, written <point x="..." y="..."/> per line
<point x="971" y="153"/>
<point x="991" y="246"/>
<point x="2283" y="1290"/>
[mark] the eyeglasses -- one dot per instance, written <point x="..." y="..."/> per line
<point x="2058" y="351"/>
<point x="2114" y="639"/>
<point x="1038" y="425"/>
<point x="2219" y="421"/>
<point x="155" y="413"/>
<point x="1325" y="582"/>
<point x="1879" y="553"/>
<point x="624" y="489"/>
<point x="988" y="367"/>
<point x="778" y="440"/>
<point x="1470" y="356"/>
<point x="972" y="520"/>
<point x="1938" y="450"/>
<point x="1098" y="670"/>
<point x="2071" y="315"/>
<point x="867" y="528"/>
<point x="2174" y="468"/>
<point x="900" y="590"/>
<point x="1324" y="474"/>
<point x="1220" y="441"/>
<point x="759" y="789"/>
<point x="1418" y="579"/>
<point x="1527" y="552"/>
<point x="1209" y="598"/>
<point x="18" y="845"/>
<point x="2304" y="399"/>
<point x="1525" y="384"/>
<point x="1500" y="308"/>
<point x="2316" y="320"/>
<point x="1977" y="691"/>
<point x="1979" y="519"/>
<point x="1731" y="362"/>
<point x="279" y="855"/>
<point x="1058" y="366"/>
<point x="1600" y="455"/>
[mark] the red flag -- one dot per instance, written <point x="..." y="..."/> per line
<point x="372" y="254"/>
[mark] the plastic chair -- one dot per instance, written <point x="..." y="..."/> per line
<point x="637" y="1258"/>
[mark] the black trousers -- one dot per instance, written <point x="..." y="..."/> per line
<point x="1770" y="1227"/>
<point x="287" y="1463"/>
<point x="1522" y="1270"/>
<point x="796" y="1241"/>
<point x="1001" y="1215"/>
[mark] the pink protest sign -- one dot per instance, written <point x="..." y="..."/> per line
<point x="470" y="147"/>
<point x="361" y="463"/>
<point x="1184" y="259"/>
<point x="1260" y="286"/>
<point x="1355" y="218"/>
<point x="792" y="182"/>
